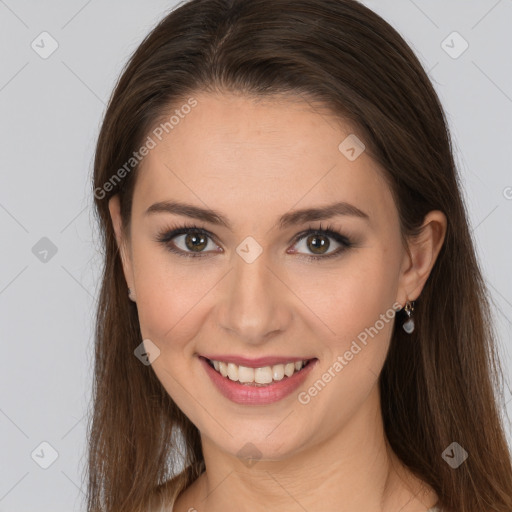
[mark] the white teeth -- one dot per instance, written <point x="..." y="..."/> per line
<point x="245" y="374"/>
<point x="223" y="368"/>
<point x="278" y="372"/>
<point x="289" y="369"/>
<point x="264" y="375"/>
<point x="232" y="371"/>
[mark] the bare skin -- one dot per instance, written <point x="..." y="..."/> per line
<point x="253" y="162"/>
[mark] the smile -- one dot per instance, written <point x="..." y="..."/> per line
<point x="261" y="385"/>
<point x="262" y="376"/>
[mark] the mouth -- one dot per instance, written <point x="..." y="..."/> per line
<point x="258" y="376"/>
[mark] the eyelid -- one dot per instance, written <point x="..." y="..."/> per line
<point x="329" y="231"/>
<point x="167" y="235"/>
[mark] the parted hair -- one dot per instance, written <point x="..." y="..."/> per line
<point x="440" y="384"/>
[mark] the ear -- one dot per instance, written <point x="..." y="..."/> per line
<point x="114" y="206"/>
<point x="421" y="254"/>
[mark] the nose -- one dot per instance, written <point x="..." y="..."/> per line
<point x="255" y="302"/>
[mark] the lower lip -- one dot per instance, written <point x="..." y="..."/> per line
<point x="257" y="395"/>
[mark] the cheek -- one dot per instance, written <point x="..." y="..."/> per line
<point x="355" y="303"/>
<point x="170" y="305"/>
<point x="169" y="297"/>
<point x="359" y="309"/>
<point x="354" y="295"/>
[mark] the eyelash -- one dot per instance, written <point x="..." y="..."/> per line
<point x="167" y="234"/>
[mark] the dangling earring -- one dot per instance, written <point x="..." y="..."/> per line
<point x="130" y="294"/>
<point x="408" y="325"/>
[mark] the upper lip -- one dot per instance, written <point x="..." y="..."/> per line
<point x="255" y="363"/>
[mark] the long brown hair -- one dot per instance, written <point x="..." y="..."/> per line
<point x="440" y="384"/>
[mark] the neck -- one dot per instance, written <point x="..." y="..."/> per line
<point x="353" y="469"/>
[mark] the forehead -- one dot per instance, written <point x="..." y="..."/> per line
<point x="237" y="153"/>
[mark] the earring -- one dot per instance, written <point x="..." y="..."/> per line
<point x="130" y="294"/>
<point x="408" y="325"/>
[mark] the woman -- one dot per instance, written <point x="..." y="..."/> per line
<point x="291" y="316"/>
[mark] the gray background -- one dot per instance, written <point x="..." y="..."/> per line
<point x="51" y="111"/>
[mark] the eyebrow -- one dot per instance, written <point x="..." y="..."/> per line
<point x="288" y="219"/>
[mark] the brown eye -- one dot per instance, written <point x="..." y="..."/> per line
<point x="196" y="241"/>
<point x="318" y="244"/>
<point x="191" y="241"/>
<point x="188" y="241"/>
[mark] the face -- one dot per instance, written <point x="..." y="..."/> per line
<point x="312" y="287"/>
